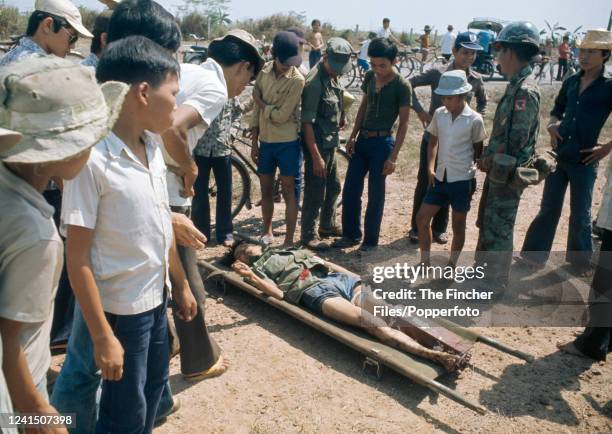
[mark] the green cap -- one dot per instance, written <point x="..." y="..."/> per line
<point x="520" y="32"/>
<point x="339" y="52"/>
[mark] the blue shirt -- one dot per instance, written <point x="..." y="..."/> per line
<point x="25" y="47"/>
<point x="91" y="60"/>
<point x="484" y="39"/>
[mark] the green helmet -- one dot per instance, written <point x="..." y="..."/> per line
<point x="520" y="32"/>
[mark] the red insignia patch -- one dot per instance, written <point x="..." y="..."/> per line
<point x="304" y="274"/>
<point x="520" y="104"/>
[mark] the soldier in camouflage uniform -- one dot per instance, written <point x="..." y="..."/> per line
<point x="515" y="131"/>
<point x="322" y="117"/>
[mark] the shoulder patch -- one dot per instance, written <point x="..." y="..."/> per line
<point x="520" y="104"/>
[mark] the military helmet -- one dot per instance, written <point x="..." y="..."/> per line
<point x="520" y="32"/>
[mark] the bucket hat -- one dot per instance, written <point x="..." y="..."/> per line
<point x="453" y="83"/>
<point x="598" y="39"/>
<point x="67" y="10"/>
<point x="57" y="106"/>
<point x="338" y="51"/>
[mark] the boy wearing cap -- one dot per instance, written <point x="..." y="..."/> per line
<point x="581" y="109"/>
<point x="275" y="126"/>
<point x="387" y="96"/>
<point x="53" y="28"/>
<point x="456" y="134"/>
<point x="81" y="113"/>
<point x="121" y="251"/>
<point x="464" y="51"/>
<point x="322" y="118"/>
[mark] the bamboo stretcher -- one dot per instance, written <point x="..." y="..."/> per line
<point x="417" y="369"/>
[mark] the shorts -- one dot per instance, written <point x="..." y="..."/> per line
<point x="333" y="285"/>
<point x="364" y="64"/>
<point x="458" y="194"/>
<point x="285" y="156"/>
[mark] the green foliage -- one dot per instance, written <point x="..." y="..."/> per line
<point x="268" y="26"/>
<point x="194" y="23"/>
<point x="88" y="16"/>
<point x="11" y="21"/>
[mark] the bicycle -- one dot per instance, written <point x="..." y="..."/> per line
<point x="355" y="75"/>
<point x="196" y="54"/>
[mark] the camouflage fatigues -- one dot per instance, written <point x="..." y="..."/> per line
<point x="515" y="132"/>
<point x="322" y="107"/>
<point x="216" y="141"/>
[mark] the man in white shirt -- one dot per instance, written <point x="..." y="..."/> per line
<point x="456" y="137"/>
<point x="448" y="42"/>
<point x="385" y="32"/>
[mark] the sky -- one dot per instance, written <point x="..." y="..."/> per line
<point x="407" y="14"/>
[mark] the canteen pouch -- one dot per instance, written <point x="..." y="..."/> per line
<point x="524" y="177"/>
<point x="502" y="168"/>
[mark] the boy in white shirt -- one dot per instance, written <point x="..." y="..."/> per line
<point x="457" y="135"/>
<point x="120" y="246"/>
<point x="363" y="60"/>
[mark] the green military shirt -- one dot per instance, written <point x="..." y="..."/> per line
<point x="384" y="105"/>
<point x="292" y="270"/>
<point x="322" y="107"/>
<point x="517" y="119"/>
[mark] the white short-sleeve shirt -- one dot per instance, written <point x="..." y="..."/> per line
<point x="204" y="88"/>
<point x="384" y="33"/>
<point x="448" y="42"/>
<point x="31" y="260"/>
<point x="126" y="205"/>
<point x="456" y="142"/>
<point x="363" y="51"/>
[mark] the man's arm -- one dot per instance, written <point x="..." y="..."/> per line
<point x="427" y="78"/>
<point x="556" y="114"/>
<point x="432" y="154"/>
<point x="180" y="287"/>
<point x="481" y="98"/>
<point x="279" y="114"/>
<point x="265" y="286"/>
<point x="524" y="120"/>
<point x="311" y="96"/>
<point x="175" y="142"/>
<point x="185" y="232"/>
<point x="350" y="144"/>
<point x="404" y="116"/>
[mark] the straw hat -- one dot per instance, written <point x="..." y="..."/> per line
<point x="57" y="106"/>
<point x="597" y="39"/>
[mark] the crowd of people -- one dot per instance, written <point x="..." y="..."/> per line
<point x="115" y="155"/>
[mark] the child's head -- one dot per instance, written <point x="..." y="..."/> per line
<point x="60" y="111"/>
<point x="316" y="25"/>
<point x="239" y="57"/>
<point x="152" y="74"/>
<point x="383" y="54"/>
<point x="247" y="252"/>
<point x="386" y="23"/>
<point x="454" y="103"/>
<point x="453" y="87"/>
<point x="146" y="18"/>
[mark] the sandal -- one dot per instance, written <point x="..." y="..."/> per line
<point x="215" y="370"/>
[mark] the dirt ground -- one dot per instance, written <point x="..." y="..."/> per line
<point x="286" y="377"/>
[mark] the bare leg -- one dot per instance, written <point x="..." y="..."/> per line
<point x="291" y="210"/>
<point x="458" y="236"/>
<point x="343" y="311"/>
<point x="267" y="202"/>
<point x="425" y="215"/>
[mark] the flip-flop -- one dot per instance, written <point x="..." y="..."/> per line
<point x="219" y="368"/>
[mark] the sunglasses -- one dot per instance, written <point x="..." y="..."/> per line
<point x="73" y="37"/>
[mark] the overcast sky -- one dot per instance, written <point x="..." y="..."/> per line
<point x="406" y="14"/>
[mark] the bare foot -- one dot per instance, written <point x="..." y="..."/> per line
<point x="216" y="370"/>
<point x="570" y="348"/>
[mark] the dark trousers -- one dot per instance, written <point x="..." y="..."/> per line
<point x="314" y="57"/>
<point x="320" y="194"/>
<point x="541" y="232"/>
<point x="369" y="159"/>
<point x="130" y="404"/>
<point x="222" y="171"/>
<point x="199" y="351"/>
<point x="562" y="69"/>
<point x="440" y="220"/>
<point x="64" y="298"/>
<point x="596" y="342"/>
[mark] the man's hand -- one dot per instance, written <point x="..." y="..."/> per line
<point x="431" y="178"/>
<point x="425" y="118"/>
<point x="484" y="163"/>
<point x="108" y="354"/>
<point x="350" y="147"/>
<point x="342" y="122"/>
<point x="46" y="410"/>
<point x="593" y="155"/>
<point x="318" y="166"/>
<point x="242" y="269"/>
<point x="388" y="168"/>
<point x="185" y="301"/>
<point x="189" y="179"/>
<point x="185" y="232"/>
<point x="555" y="137"/>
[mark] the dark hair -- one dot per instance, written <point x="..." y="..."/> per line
<point x="100" y="26"/>
<point x="315" y="21"/>
<point x="135" y="59"/>
<point x="386" y="20"/>
<point x="524" y="52"/>
<point x="372" y="35"/>
<point x="38" y="17"/>
<point x="230" y="51"/>
<point x="382" y="47"/>
<point x="146" y="18"/>
<point x="606" y="55"/>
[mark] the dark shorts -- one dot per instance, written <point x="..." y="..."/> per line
<point x="458" y="194"/>
<point x="285" y="156"/>
<point x="333" y="285"/>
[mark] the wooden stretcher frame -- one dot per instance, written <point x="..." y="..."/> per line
<point x="417" y="369"/>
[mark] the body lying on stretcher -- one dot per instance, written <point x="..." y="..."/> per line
<point x="301" y="278"/>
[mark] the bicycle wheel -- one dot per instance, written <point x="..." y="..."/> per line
<point x="241" y="189"/>
<point x="342" y="162"/>
<point x="347" y="80"/>
<point x="438" y="62"/>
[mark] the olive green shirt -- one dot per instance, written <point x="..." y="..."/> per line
<point x="322" y="107"/>
<point x="292" y="270"/>
<point x="517" y="119"/>
<point x="383" y="106"/>
<point x="279" y="120"/>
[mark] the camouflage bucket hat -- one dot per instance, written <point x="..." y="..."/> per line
<point x="57" y="106"/>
